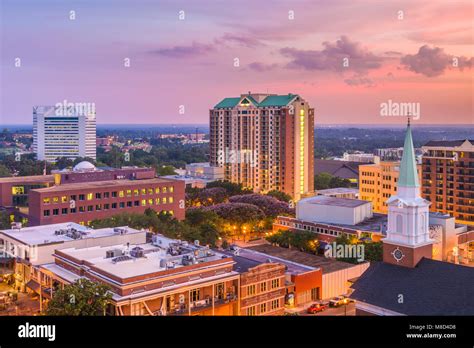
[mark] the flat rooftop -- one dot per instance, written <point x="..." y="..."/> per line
<point x="59" y="233"/>
<point x="247" y="258"/>
<point x="337" y="190"/>
<point x="27" y="179"/>
<point x="334" y="201"/>
<point x="155" y="257"/>
<point x="102" y="184"/>
<point x="303" y="259"/>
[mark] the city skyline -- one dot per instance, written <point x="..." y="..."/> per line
<point x="293" y="48"/>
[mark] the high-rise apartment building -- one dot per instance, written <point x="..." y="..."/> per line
<point x="265" y="142"/>
<point x="64" y="132"/>
<point x="378" y="182"/>
<point x="448" y="178"/>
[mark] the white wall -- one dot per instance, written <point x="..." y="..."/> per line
<point x="336" y="283"/>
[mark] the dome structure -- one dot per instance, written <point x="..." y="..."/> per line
<point x="84" y="166"/>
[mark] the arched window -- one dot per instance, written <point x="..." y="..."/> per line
<point x="399" y="223"/>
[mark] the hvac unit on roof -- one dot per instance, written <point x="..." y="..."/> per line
<point x="113" y="253"/>
<point x="120" y="230"/>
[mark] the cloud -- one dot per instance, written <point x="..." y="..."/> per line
<point x="359" y="80"/>
<point x="195" y="49"/>
<point x="261" y="67"/>
<point x="332" y="56"/>
<point x="246" y="41"/>
<point x="432" y="62"/>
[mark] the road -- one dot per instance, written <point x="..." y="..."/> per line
<point x="338" y="311"/>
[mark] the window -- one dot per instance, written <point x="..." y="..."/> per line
<point x="55" y="199"/>
<point x="150" y="201"/>
<point x="55" y="211"/>
<point x="136" y="192"/>
<point x="73" y="197"/>
<point x="171" y="212"/>
<point x="164" y="189"/>
<point x="150" y="191"/>
<point x="143" y="202"/>
<point x="275" y="304"/>
<point x="129" y="193"/>
<point x="82" y="209"/>
<point x="263" y="308"/>
<point x="46" y="200"/>
<point x="98" y="207"/>
<point x="170" y="200"/>
<point x="114" y="205"/>
<point x="114" y="194"/>
<point x="106" y="206"/>
<point x="90" y="208"/>
<point x="106" y="194"/>
<point x="82" y="197"/>
<point x="157" y="190"/>
<point x="251" y="290"/>
<point x="122" y="205"/>
<point x="275" y="283"/>
<point x="195" y="295"/>
<point x="121" y="194"/>
<point x="143" y="191"/>
<point x="251" y="310"/>
<point x="164" y="200"/>
<point x="171" y="189"/>
<point x="136" y="203"/>
<point x="98" y="195"/>
<point x="64" y="211"/>
<point x="64" y="199"/>
<point x="45" y="212"/>
<point x="263" y="286"/>
<point x="89" y="196"/>
<point x="72" y="210"/>
<point x="157" y="201"/>
<point x="129" y="204"/>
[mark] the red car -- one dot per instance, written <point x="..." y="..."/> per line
<point x="316" y="307"/>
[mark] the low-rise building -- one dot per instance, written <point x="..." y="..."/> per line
<point x="165" y="277"/>
<point x="34" y="246"/>
<point x="339" y="192"/>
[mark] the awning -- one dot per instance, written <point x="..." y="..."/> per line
<point x="33" y="285"/>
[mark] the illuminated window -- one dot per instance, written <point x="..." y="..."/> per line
<point x="18" y="190"/>
<point x="251" y="290"/>
<point x="129" y="193"/>
<point x="55" y="199"/>
<point x="89" y="196"/>
<point x="121" y="194"/>
<point x="150" y="191"/>
<point x="143" y="191"/>
<point x="46" y="200"/>
<point x="164" y="189"/>
<point x="64" y="199"/>
<point x="275" y="283"/>
<point x="164" y="200"/>
<point x="157" y="201"/>
<point x="275" y="304"/>
<point x="171" y="189"/>
<point x="157" y="190"/>
<point x="171" y="212"/>
<point x="171" y="200"/>
<point x="263" y="286"/>
<point x="150" y="201"/>
<point x="136" y="192"/>
<point x="143" y="202"/>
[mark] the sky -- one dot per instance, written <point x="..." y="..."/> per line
<point x="169" y="62"/>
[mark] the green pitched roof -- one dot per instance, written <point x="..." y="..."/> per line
<point x="277" y="100"/>
<point x="227" y="103"/>
<point x="408" y="173"/>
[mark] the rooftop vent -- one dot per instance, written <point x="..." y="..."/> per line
<point x="122" y="259"/>
<point x="120" y="230"/>
<point x="113" y="253"/>
<point x="137" y="252"/>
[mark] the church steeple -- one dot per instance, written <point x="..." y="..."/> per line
<point x="408" y="174"/>
<point x="408" y="238"/>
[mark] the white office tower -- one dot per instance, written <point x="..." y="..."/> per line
<point x="64" y="132"/>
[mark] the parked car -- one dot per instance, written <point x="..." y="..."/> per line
<point x="316" y="308"/>
<point x="338" y="301"/>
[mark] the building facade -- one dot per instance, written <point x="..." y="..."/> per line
<point x="265" y="142"/>
<point x="378" y="182"/>
<point x="68" y="134"/>
<point x="448" y="178"/>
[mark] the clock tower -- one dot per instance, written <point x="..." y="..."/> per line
<point x="407" y="238"/>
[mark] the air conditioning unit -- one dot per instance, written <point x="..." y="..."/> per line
<point x="113" y="253"/>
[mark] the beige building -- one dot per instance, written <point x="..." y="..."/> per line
<point x="378" y="182"/>
<point x="265" y="142"/>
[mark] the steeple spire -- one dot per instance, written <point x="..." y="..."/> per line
<point x="408" y="174"/>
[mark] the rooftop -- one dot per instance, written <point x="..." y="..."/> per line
<point x="447" y="143"/>
<point x="60" y="233"/>
<point x="300" y="258"/>
<point x="271" y="100"/>
<point x="246" y="258"/>
<point x="337" y="190"/>
<point x="125" y="261"/>
<point x="102" y="184"/>
<point x="430" y="288"/>
<point x="27" y="179"/>
<point x="334" y="201"/>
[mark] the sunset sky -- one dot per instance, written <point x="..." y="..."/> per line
<point x="400" y="56"/>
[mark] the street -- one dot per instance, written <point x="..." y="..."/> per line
<point x="337" y="311"/>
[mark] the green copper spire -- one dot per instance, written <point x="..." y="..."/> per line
<point x="408" y="173"/>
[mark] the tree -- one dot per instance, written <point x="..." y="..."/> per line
<point x="231" y="187"/>
<point x="166" y="170"/>
<point x="281" y="196"/>
<point x="322" y="180"/>
<point x="270" y="206"/>
<point x="4" y="171"/>
<point x="83" y="297"/>
<point x="4" y="220"/>
<point x="373" y="251"/>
